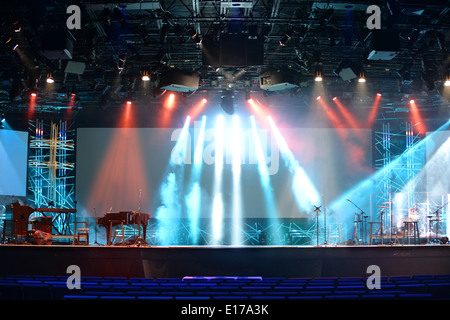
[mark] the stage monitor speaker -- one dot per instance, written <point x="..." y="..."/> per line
<point x="179" y="81"/>
<point x="233" y="50"/>
<point x="383" y="45"/>
<point x="75" y="67"/>
<point x="347" y="74"/>
<point x="278" y="80"/>
<point x="57" y="44"/>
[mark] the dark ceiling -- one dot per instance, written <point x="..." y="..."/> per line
<point x="118" y="41"/>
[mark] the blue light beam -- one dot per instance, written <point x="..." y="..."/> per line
<point x="264" y="176"/>
<point x="167" y="214"/>
<point x="304" y="190"/>
<point x="193" y="199"/>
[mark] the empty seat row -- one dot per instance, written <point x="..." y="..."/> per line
<point x="55" y="288"/>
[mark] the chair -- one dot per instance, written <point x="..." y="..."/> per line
<point x="334" y="233"/>
<point x="80" y="235"/>
<point x="372" y="223"/>
<point x="415" y="228"/>
<point x="113" y="232"/>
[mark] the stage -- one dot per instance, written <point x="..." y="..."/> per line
<point x="264" y="261"/>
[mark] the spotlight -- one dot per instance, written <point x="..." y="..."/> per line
<point x="193" y="34"/>
<point x="379" y="94"/>
<point x="227" y="103"/>
<point x="447" y="82"/>
<point x="250" y="100"/>
<point x="33" y="94"/>
<point x="411" y="101"/>
<point x="145" y="76"/>
<point x="128" y="102"/>
<point x="287" y="36"/>
<point x="50" y="78"/>
<point x="318" y="98"/>
<point x="319" y="73"/>
<point x="2" y="118"/>
<point x="362" y="77"/>
<point x="334" y="98"/>
<point x="204" y="100"/>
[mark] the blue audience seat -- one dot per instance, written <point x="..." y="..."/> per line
<point x="423" y="287"/>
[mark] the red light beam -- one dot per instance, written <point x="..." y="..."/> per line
<point x="373" y="111"/>
<point x="350" y="119"/>
<point x="416" y="117"/>
<point x="198" y="108"/>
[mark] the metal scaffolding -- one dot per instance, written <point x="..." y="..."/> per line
<point x="51" y="181"/>
<point x="400" y="189"/>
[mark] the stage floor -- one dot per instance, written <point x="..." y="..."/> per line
<point x="264" y="261"/>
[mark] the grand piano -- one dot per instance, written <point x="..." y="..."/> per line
<point x="112" y="219"/>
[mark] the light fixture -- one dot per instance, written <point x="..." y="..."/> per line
<point x="145" y="76"/>
<point x="193" y="34"/>
<point x="447" y="79"/>
<point x="287" y="36"/>
<point x="50" y="78"/>
<point x="12" y="44"/>
<point x="361" y="78"/>
<point x="227" y="102"/>
<point x="318" y="73"/>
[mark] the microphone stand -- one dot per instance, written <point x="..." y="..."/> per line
<point x="325" y="222"/>
<point x="95" y="226"/>
<point x="317" y="210"/>
<point x="139" y="240"/>
<point x="437" y="221"/>
<point x="362" y="212"/>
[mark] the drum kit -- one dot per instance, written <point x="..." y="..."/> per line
<point x="419" y="216"/>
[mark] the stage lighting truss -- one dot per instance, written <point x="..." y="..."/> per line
<point x="50" y="170"/>
<point x="398" y="179"/>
